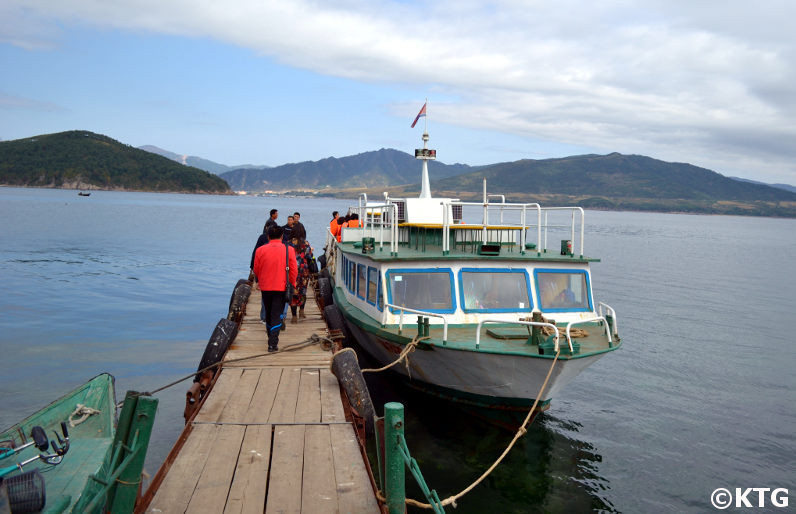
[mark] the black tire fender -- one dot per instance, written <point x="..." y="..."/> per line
<point x="325" y="290"/>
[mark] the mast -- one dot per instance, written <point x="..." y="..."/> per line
<point x="425" y="155"/>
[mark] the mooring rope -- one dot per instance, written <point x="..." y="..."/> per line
<point x="410" y="347"/>
<point x="312" y="340"/>
<point x="451" y="500"/>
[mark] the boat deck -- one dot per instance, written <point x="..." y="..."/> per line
<point x="271" y="435"/>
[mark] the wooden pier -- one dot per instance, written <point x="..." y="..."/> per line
<point x="271" y="436"/>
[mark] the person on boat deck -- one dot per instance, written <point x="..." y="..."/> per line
<point x="353" y="221"/>
<point x="269" y="266"/>
<point x="333" y="224"/>
<point x="287" y="230"/>
<point x="271" y="222"/>
<point x="299" y="232"/>
<point x="341" y="222"/>
<point x="303" y="257"/>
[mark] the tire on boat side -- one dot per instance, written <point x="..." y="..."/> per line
<point x="322" y="262"/>
<point x="325" y="289"/>
<point x="324" y="273"/>
<point x="219" y="342"/>
<point x="237" y="304"/>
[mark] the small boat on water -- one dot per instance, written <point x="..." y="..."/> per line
<point x="96" y="464"/>
<point x="492" y="302"/>
<point x="83" y="193"/>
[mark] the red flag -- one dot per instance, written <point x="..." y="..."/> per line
<point x="421" y="113"/>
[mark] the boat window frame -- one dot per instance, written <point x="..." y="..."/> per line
<point x="351" y="276"/>
<point x="367" y="286"/>
<point x="395" y="271"/>
<point x="584" y="272"/>
<point x="360" y="294"/>
<point x="496" y="270"/>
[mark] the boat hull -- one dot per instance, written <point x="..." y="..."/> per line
<point x="477" y="378"/>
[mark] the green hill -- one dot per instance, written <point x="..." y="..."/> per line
<point x="84" y="160"/>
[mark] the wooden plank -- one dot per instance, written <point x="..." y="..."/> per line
<point x="354" y="492"/>
<point x="238" y="404"/>
<point x="308" y="407"/>
<point x="263" y="399"/>
<point x="219" y="395"/>
<point x="175" y="492"/>
<point x="331" y="402"/>
<point x="284" y="409"/>
<point x="319" y="493"/>
<point x="284" y="485"/>
<point x="247" y="494"/>
<point x="211" y="492"/>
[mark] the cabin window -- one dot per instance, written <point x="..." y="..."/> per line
<point x="362" y="283"/>
<point x="494" y="290"/>
<point x="373" y="285"/>
<point x="421" y="289"/>
<point x="560" y="290"/>
<point x="352" y="273"/>
<point x="344" y="272"/>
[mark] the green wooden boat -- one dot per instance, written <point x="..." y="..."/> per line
<point x="101" y="470"/>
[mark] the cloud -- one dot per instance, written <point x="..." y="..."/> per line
<point x="18" y="102"/>
<point x="704" y="82"/>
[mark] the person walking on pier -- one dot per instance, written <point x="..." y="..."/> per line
<point x="271" y="221"/>
<point x="299" y="232"/>
<point x="270" y="268"/>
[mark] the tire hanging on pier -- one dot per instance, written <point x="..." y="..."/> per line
<point x="325" y="289"/>
<point x="237" y="303"/>
<point x="345" y="367"/>
<point x="335" y="322"/>
<point x="217" y="346"/>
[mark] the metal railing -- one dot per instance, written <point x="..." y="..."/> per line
<point x="590" y="320"/>
<point x="601" y="310"/>
<point x="415" y="311"/>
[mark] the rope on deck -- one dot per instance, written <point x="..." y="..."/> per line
<point x="312" y="340"/>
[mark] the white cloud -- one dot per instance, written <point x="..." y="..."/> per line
<point x="702" y="82"/>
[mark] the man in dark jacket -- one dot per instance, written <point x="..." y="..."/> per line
<point x="271" y="221"/>
<point x="299" y="232"/>
<point x="272" y="274"/>
<point x="287" y="230"/>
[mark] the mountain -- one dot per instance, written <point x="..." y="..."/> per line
<point x="84" y="160"/>
<point x="617" y="181"/>
<point x="385" y="167"/>
<point x="189" y="160"/>
<point x="786" y="187"/>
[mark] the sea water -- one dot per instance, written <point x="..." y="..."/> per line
<point x="699" y="397"/>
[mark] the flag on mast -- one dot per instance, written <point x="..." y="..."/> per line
<point x="422" y="113"/>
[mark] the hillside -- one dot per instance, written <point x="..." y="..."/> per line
<point x="385" y="167"/>
<point x="84" y="160"/>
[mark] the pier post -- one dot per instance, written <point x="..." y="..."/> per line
<point x="395" y="479"/>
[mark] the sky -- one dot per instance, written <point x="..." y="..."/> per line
<point x="711" y="83"/>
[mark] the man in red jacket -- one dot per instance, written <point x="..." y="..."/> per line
<point x="271" y="270"/>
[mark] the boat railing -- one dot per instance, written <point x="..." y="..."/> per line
<point x="378" y="221"/>
<point x="526" y="323"/>
<point x="608" y="313"/>
<point x="415" y="311"/>
<point x="589" y="320"/>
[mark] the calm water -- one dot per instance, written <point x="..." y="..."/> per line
<point x="700" y="396"/>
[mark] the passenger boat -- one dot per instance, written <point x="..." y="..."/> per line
<point x="94" y="464"/>
<point x="495" y="303"/>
